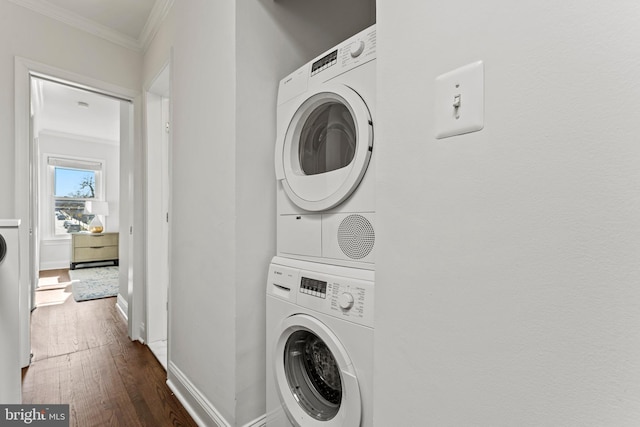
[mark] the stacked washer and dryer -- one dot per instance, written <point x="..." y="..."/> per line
<point x="320" y="289"/>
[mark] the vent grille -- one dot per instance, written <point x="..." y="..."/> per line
<point x="356" y="236"/>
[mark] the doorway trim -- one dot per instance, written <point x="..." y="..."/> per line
<point x="24" y="69"/>
<point x="157" y="191"/>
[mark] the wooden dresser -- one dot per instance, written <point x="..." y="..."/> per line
<point x="93" y="247"/>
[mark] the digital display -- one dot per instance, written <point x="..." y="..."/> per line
<point x="313" y="287"/>
<point x="324" y="62"/>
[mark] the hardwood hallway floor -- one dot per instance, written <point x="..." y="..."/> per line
<point x="82" y="356"/>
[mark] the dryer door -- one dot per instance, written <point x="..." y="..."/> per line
<point x="314" y="376"/>
<point x="3" y="248"/>
<point x="325" y="151"/>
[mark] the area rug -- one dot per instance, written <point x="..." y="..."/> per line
<point x="94" y="283"/>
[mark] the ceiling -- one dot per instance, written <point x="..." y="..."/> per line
<point x="58" y="112"/>
<point x="130" y="23"/>
<point x="125" y="16"/>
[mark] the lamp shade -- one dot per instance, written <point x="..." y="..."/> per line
<point x="97" y="207"/>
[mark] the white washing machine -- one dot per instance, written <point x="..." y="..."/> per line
<point x="10" y="366"/>
<point x="319" y="345"/>
<point x="324" y="156"/>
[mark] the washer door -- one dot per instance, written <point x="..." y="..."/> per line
<point x="326" y="149"/>
<point x="314" y="376"/>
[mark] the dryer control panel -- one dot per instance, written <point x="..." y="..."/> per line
<point x="351" y="53"/>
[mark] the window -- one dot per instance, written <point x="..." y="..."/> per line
<point x="74" y="183"/>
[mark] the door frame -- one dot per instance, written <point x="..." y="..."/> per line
<point x="24" y="69"/>
<point x="158" y="227"/>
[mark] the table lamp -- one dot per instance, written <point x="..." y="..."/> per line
<point x="96" y="208"/>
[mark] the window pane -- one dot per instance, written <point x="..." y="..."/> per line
<point x="78" y="183"/>
<point x="70" y="216"/>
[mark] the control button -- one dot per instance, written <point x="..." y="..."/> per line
<point x="357" y="48"/>
<point x="346" y="301"/>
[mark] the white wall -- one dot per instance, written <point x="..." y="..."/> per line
<point x="55" y="252"/>
<point x="202" y="294"/>
<point x="507" y="280"/>
<point x="33" y="36"/>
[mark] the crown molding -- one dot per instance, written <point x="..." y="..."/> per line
<point x="160" y="10"/>
<point x="157" y="15"/>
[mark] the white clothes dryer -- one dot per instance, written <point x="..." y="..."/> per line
<point x="324" y="156"/>
<point x="319" y="345"/>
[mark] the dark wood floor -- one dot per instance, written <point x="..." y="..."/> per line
<point x="82" y="356"/>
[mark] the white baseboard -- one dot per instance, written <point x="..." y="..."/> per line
<point x="53" y="265"/>
<point x="122" y="307"/>
<point x="200" y="409"/>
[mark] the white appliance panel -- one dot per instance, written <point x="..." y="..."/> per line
<point x="335" y="183"/>
<point x="300" y="234"/>
<point x="306" y="300"/>
<point x="10" y="366"/>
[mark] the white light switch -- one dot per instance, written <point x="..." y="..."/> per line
<point x="459" y="98"/>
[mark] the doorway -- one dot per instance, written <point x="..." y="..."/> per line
<point x="76" y="138"/>
<point x="26" y="187"/>
<point x="158" y="143"/>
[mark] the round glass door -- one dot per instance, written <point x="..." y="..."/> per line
<point x="325" y="151"/>
<point x="313" y="375"/>
<point x="315" y="378"/>
<point x="327" y="140"/>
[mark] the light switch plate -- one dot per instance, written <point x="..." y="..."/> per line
<point x="459" y="99"/>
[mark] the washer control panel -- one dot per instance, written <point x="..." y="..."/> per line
<point x="344" y="297"/>
<point x="341" y="292"/>
<point x="317" y="288"/>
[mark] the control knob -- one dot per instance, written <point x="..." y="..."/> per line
<point x="356" y="49"/>
<point x="346" y="301"/>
